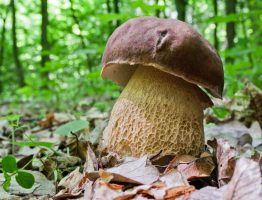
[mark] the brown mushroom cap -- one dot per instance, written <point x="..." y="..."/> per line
<point x="166" y="44"/>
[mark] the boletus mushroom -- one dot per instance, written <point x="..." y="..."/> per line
<point x="160" y="63"/>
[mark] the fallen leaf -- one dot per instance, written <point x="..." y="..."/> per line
<point x="48" y="121"/>
<point x="256" y="132"/>
<point x="193" y="167"/>
<point x="64" y="194"/>
<point x="88" y="194"/>
<point x="61" y="118"/>
<point x="97" y="132"/>
<point x="245" y="184"/>
<point x="26" y="162"/>
<point x="171" y="185"/>
<point x="255" y="100"/>
<point x="71" y="180"/>
<point x="225" y="157"/>
<point x="229" y="130"/>
<point x="178" y="191"/>
<point x="64" y="160"/>
<point x="174" y="178"/>
<point x="103" y="191"/>
<point x="91" y="163"/>
<point x="94" y="113"/>
<point x="207" y="193"/>
<point x="105" y="176"/>
<point x="140" y="170"/>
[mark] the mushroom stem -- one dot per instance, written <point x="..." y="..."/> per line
<point x="157" y="112"/>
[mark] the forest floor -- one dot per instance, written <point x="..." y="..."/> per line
<point x="58" y="157"/>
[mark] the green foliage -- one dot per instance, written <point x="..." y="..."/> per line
<point x="221" y="112"/>
<point x="48" y="145"/>
<point x="77" y="33"/>
<point x="9" y="168"/>
<point x="71" y="127"/>
<point x="9" y="164"/>
<point x="25" y="179"/>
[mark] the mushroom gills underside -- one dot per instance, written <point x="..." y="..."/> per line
<point x="157" y="113"/>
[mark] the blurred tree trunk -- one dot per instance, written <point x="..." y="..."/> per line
<point x="181" y="9"/>
<point x="2" y="46"/>
<point x="216" y="42"/>
<point x="230" y="26"/>
<point x="255" y="24"/>
<point x="81" y="37"/>
<point x="243" y="24"/>
<point x="116" y="11"/>
<point x="44" y="41"/>
<point x="157" y="10"/>
<point x="18" y="65"/>
<point x="109" y="11"/>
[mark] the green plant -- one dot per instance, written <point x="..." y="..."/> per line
<point x="9" y="169"/>
<point x="71" y="127"/>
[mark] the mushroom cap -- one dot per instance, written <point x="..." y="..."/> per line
<point x="167" y="44"/>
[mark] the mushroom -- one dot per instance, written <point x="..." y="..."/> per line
<point x="159" y="62"/>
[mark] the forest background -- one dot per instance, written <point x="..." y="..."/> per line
<point x="50" y="51"/>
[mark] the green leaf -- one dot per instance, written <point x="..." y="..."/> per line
<point x="12" y="117"/>
<point x="220" y="112"/>
<point x="7" y="181"/>
<point x="9" y="164"/>
<point x="25" y="179"/>
<point x="35" y="144"/>
<point x="73" y="127"/>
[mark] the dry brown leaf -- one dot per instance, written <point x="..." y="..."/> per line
<point x="193" y="167"/>
<point x="26" y="162"/>
<point x="255" y="100"/>
<point x="91" y="161"/>
<point x="174" y="178"/>
<point x="103" y="191"/>
<point x="64" y="194"/>
<point x="225" y="156"/>
<point x="246" y="183"/>
<point x="207" y="193"/>
<point x="169" y="186"/>
<point x="105" y="176"/>
<point x="88" y="194"/>
<point x="178" y="191"/>
<point x="48" y="121"/>
<point x="139" y="170"/>
<point x="71" y="180"/>
<point x="61" y="118"/>
<point x="84" y="180"/>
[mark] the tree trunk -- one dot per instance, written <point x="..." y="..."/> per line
<point x="18" y="65"/>
<point x="243" y="24"/>
<point x="110" y="23"/>
<point x="44" y="40"/>
<point x="181" y="9"/>
<point x="2" y="47"/>
<point x="216" y="42"/>
<point x="157" y="10"/>
<point x="116" y="11"/>
<point x="230" y="26"/>
<point x="81" y="37"/>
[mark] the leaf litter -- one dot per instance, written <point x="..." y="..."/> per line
<point x="75" y="168"/>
